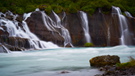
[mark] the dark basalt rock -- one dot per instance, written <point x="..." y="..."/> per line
<point x="72" y="23"/>
<point x="63" y="72"/>
<point x="36" y="25"/>
<point x="15" y="43"/>
<point x="104" y="60"/>
<point x="103" y="28"/>
<point x="116" y="71"/>
<point x="19" y="18"/>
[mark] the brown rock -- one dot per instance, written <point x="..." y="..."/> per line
<point x="63" y="72"/>
<point x="37" y="26"/>
<point x="104" y="60"/>
<point x="19" y="18"/>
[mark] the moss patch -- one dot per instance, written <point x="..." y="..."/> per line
<point x="130" y="63"/>
<point x="88" y="45"/>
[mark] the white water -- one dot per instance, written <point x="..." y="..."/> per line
<point x="51" y="62"/>
<point x="3" y="49"/>
<point x="85" y="26"/>
<point x="64" y="31"/>
<point x="52" y="26"/>
<point x="48" y="22"/>
<point x="128" y="14"/>
<point x="15" y="30"/>
<point x="125" y="38"/>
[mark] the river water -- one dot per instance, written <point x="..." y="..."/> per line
<point x="51" y="62"/>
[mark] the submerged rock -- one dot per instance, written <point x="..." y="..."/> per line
<point x="63" y="72"/>
<point x="104" y="60"/>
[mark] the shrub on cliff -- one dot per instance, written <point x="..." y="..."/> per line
<point x="71" y="6"/>
<point x="88" y="45"/>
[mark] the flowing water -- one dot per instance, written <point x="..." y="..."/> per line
<point x="128" y="14"/>
<point x="64" y="32"/>
<point x="53" y="26"/>
<point x="85" y="26"/>
<point x="15" y="30"/>
<point x="51" y="62"/>
<point x="125" y="38"/>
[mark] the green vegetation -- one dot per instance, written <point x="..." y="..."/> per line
<point x="70" y="6"/>
<point x="131" y="63"/>
<point x="88" y="45"/>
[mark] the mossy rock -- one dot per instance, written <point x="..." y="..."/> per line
<point x="104" y="60"/>
<point x="130" y="63"/>
<point x="88" y="45"/>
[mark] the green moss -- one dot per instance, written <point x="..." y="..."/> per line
<point x="131" y="63"/>
<point x="88" y="45"/>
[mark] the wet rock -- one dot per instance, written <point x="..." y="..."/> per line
<point x="15" y="43"/>
<point x="68" y="45"/>
<point x="19" y="18"/>
<point x="116" y="71"/>
<point x="63" y="72"/>
<point x="104" y="60"/>
<point x="42" y="31"/>
<point x="9" y="17"/>
<point x="73" y="23"/>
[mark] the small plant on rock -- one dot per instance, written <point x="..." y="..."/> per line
<point x="88" y="45"/>
<point x="131" y="63"/>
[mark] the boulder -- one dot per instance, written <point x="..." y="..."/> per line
<point x="104" y="60"/>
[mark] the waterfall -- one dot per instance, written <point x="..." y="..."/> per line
<point x="85" y="26"/>
<point x="3" y="49"/>
<point x="64" y="32"/>
<point x="48" y="22"/>
<point x="15" y="30"/>
<point x="108" y="34"/>
<point x="125" y="38"/>
<point x="52" y="26"/>
<point x="128" y="14"/>
<point x="34" y="40"/>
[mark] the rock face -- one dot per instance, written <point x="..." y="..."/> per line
<point x="104" y="60"/>
<point x="15" y="43"/>
<point x="66" y="29"/>
<point x="76" y="31"/>
<point x="103" y="28"/>
<point x="37" y="26"/>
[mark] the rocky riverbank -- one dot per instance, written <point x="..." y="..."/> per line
<point x="117" y="71"/>
<point x="111" y="66"/>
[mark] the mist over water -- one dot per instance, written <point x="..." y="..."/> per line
<point x="50" y="62"/>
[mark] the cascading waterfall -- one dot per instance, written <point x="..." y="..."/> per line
<point x="15" y="30"/>
<point x="85" y="26"/>
<point x="52" y="26"/>
<point x="36" y="42"/>
<point x="48" y="22"/>
<point x="125" y="38"/>
<point x="3" y="49"/>
<point x="128" y="14"/>
<point x="64" y="31"/>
